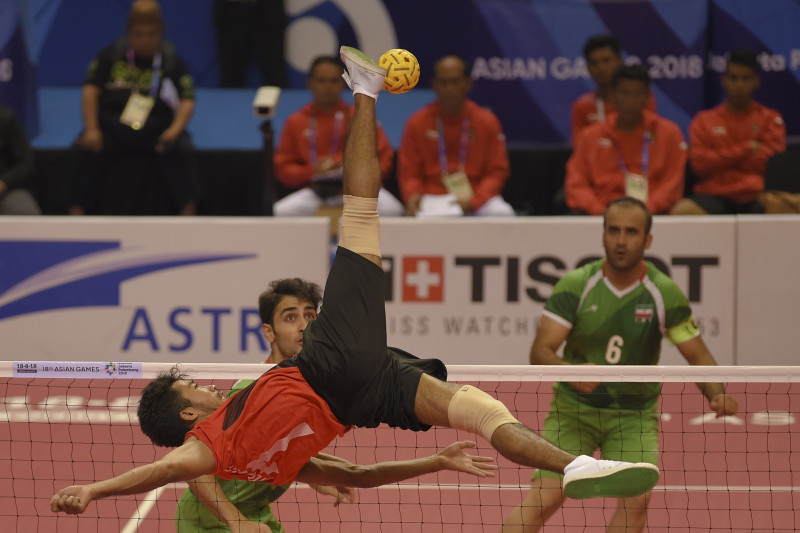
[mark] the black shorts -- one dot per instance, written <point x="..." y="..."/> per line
<point x="345" y="358"/>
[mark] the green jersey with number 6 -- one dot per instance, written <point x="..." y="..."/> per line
<point x="619" y="327"/>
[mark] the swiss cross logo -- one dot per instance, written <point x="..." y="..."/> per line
<point x="423" y="279"/>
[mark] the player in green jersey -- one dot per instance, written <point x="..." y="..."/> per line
<point x="214" y="505"/>
<point x="613" y="311"/>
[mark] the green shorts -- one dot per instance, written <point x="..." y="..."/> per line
<point x="620" y="434"/>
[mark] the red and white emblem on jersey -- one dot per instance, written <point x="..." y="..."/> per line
<point x="423" y="279"/>
<point x="643" y="313"/>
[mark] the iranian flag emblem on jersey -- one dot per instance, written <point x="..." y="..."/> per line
<point x="643" y="313"/>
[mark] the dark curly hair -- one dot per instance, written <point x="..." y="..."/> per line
<point x="323" y="60"/>
<point x="298" y="287"/>
<point x="631" y="72"/>
<point x="745" y="57"/>
<point x="160" y="410"/>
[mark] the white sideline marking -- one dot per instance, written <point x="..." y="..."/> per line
<point x="511" y="486"/>
<point x="151" y="498"/>
<point x="711" y="418"/>
<point x="657" y="488"/>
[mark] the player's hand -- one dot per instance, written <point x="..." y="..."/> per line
<point x="91" y="140"/>
<point x="249" y="527"/>
<point x="454" y="458"/>
<point x="413" y="204"/>
<point x="326" y="164"/>
<point x="585" y="386"/>
<point x="466" y="206"/>
<point x="167" y="139"/>
<point x="340" y="494"/>
<point x="71" y="500"/>
<point x="724" y="405"/>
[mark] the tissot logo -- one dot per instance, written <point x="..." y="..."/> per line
<point x="423" y="279"/>
<point x="509" y="277"/>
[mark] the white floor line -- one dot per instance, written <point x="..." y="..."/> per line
<point x="151" y="498"/>
<point x="149" y="501"/>
<point x="657" y="488"/>
<point x="511" y="486"/>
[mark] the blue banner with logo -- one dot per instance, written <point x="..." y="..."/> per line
<point x="17" y="71"/>
<point x="525" y="55"/>
<point x="528" y="65"/>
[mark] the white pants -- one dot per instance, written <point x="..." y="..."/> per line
<point x="434" y="205"/>
<point x="305" y="202"/>
<point x="18" y="202"/>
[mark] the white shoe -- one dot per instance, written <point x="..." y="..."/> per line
<point x="587" y="477"/>
<point x="362" y="74"/>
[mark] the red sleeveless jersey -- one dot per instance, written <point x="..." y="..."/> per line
<point x="273" y="434"/>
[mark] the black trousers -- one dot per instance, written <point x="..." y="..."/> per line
<point x="247" y="31"/>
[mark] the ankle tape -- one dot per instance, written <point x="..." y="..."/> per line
<point x="361" y="229"/>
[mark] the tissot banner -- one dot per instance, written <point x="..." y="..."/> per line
<point x="768" y="290"/>
<point x="468" y="291"/>
<point x="472" y="291"/>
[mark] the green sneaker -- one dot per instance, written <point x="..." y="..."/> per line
<point x="587" y="477"/>
<point x="362" y="74"/>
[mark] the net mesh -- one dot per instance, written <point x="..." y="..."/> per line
<point x="735" y="474"/>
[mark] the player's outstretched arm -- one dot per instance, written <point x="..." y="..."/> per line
<point x="696" y="353"/>
<point x="550" y="335"/>
<point x="323" y="469"/>
<point x="182" y="464"/>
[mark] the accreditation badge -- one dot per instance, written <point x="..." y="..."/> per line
<point x="636" y="186"/>
<point x="458" y="185"/>
<point x="136" y="111"/>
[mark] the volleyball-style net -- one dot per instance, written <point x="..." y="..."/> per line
<point x="737" y="473"/>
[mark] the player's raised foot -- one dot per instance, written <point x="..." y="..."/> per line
<point x="587" y="477"/>
<point x="362" y="74"/>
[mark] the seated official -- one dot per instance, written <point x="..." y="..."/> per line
<point x="452" y="159"/>
<point x="730" y="144"/>
<point x="134" y="156"/>
<point x="603" y="54"/>
<point x="311" y="148"/>
<point x="633" y="153"/>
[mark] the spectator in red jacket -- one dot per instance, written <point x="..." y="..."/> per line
<point x="729" y="145"/>
<point x="603" y="54"/>
<point x="311" y="148"/>
<point x="633" y="153"/>
<point x="452" y="158"/>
